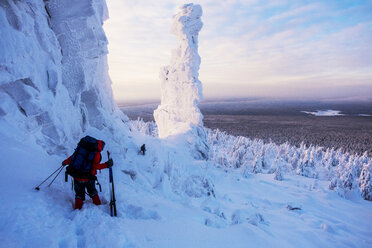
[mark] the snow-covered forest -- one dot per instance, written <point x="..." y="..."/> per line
<point x="346" y="173"/>
<point x="194" y="187"/>
<point x="350" y="133"/>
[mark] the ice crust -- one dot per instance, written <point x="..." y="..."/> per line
<point x="181" y="90"/>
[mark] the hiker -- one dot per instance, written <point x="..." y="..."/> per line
<point x="143" y="149"/>
<point x="83" y="166"/>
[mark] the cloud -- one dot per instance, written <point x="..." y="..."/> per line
<point x="246" y="44"/>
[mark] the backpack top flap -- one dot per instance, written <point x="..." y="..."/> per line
<point x="82" y="159"/>
<point x="89" y="143"/>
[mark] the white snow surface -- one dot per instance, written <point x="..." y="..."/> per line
<point x="181" y="89"/>
<point x="163" y="201"/>
<point x="328" y="112"/>
<point x="54" y="89"/>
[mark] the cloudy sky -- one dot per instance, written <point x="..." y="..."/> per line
<point x="294" y="49"/>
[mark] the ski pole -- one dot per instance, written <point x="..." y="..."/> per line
<point x="66" y="176"/>
<point x="55" y="177"/>
<point x="37" y="187"/>
<point x="112" y="191"/>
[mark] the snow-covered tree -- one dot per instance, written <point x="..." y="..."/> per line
<point x="258" y="162"/>
<point x="341" y="169"/>
<point x="147" y="128"/>
<point x="306" y="166"/>
<point x="365" y="184"/>
<point x="295" y="159"/>
<point x="278" y="175"/>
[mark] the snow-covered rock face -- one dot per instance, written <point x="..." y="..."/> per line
<point x="181" y="89"/>
<point x="78" y="26"/>
<point x="30" y="72"/>
<point x="53" y="70"/>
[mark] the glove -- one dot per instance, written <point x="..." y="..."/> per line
<point x="63" y="163"/>
<point x="110" y="163"/>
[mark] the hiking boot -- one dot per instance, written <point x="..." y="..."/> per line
<point x="78" y="203"/>
<point x="96" y="200"/>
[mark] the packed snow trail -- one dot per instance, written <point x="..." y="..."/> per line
<point x="246" y="212"/>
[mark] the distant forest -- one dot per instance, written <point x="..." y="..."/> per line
<point x="351" y="134"/>
<point x="283" y="121"/>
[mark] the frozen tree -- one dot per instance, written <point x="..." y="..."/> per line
<point x="181" y="89"/>
<point x="294" y="160"/>
<point x="327" y="159"/>
<point x="306" y="166"/>
<point x="147" y="128"/>
<point x="365" y="184"/>
<point x="301" y="163"/>
<point x="341" y="169"/>
<point x="364" y="158"/>
<point x="275" y="164"/>
<point x="278" y="174"/>
<point x="346" y="176"/>
<point x="258" y="162"/>
<point x="336" y="156"/>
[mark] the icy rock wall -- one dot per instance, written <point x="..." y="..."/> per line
<point x="53" y="71"/>
<point x="30" y="74"/>
<point x="181" y="89"/>
<point x="78" y="27"/>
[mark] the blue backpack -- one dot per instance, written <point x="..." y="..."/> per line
<point x="82" y="159"/>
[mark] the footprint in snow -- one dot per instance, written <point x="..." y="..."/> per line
<point x="80" y="237"/>
<point x="137" y="212"/>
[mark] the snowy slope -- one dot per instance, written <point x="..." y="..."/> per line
<point x="164" y="204"/>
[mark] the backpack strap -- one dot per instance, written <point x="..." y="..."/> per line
<point x="90" y="159"/>
<point x="73" y="157"/>
<point x="99" y="185"/>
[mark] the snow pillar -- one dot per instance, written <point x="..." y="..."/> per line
<point x="181" y="89"/>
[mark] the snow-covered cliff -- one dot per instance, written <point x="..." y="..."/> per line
<point x="181" y="89"/>
<point x="53" y="70"/>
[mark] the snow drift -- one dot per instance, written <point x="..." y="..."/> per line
<point x="181" y="89"/>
